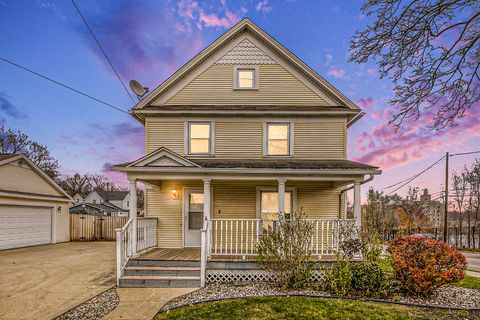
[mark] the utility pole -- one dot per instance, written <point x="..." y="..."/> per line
<point x="445" y="220"/>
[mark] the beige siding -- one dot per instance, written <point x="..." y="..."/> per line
<point x="320" y="140"/>
<point x="22" y="178"/>
<point x="168" y="211"/>
<point x="234" y="139"/>
<point x="232" y="200"/>
<point x="317" y="199"/>
<point x="237" y="140"/>
<point x="277" y="86"/>
<point x="166" y="134"/>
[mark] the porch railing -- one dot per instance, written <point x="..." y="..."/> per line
<point x="146" y="238"/>
<point x="239" y="237"/>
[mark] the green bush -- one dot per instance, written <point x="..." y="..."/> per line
<point x="369" y="280"/>
<point x="365" y="279"/>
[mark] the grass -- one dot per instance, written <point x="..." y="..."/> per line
<point x="280" y="308"/>
<point x="469" y="282"/>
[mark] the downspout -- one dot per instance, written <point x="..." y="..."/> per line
<point x="370" y="178"/>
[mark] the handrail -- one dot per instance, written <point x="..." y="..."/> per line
<point x="240" y="237"/>
<point x="146" y="238"/>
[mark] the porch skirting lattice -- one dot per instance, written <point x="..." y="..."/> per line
<point x="249" y="275"/>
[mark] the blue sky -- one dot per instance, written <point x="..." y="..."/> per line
<point x="149" y="40"/>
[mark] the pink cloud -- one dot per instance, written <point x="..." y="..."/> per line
<point x="365" y="102"/>
<point x="336" y="72"/>
<point x="213" y="20"/>
<point x="384" y="147"/>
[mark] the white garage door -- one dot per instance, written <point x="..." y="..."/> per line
<point x="22" y="226"/>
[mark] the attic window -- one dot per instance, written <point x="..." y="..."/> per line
<point x="246" y="78"/>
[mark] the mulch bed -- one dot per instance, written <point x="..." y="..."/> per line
<point x="445" y="297"/>
<point x="95" y="308"/>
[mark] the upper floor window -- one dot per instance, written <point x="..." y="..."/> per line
<point x="278" y="139"/>
<point x="199" y="138"/>
<point x="246" y="78"/>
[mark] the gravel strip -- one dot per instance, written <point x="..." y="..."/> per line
<point x="95" y="308"/>
<point x="448" y="296"/>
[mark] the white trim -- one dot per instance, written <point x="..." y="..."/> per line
<point x="186" y="139"/>
<point x="290" y="139"/>
<point x="260" y="189"/>
<point x="255" y="77"/>
<point x="159" y="153"/>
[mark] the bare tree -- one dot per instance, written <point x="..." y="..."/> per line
<point x="102" y="182"/>
<point x="17" y="142"/>
<point x="430" y="49"/>
<point x="411" y="214"/>
<point x="76" y="184"/>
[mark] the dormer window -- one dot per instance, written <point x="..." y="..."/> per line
<point x="246" y="78"/>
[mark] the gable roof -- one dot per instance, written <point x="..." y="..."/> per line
<point x="112" y="195"/>
<point x="236" y="30"/>
<point x="162" y="157"/>
<point x="6" y="158"/>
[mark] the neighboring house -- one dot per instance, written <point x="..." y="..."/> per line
<point x="243" y="133"/>
<point x="33" y="208"/>
<point x="120" y="199"/>
<point x="103" y="209"/>
<point x="77" y="198"/>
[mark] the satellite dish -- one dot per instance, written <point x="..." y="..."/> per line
<point x="138" y="89"/>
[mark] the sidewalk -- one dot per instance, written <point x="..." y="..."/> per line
<point x="143" y="303"/>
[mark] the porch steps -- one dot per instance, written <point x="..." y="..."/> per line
<point x="161" y="274"/>
<point x="159" y="282"/>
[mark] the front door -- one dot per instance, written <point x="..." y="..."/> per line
<point x="193" y="217"/>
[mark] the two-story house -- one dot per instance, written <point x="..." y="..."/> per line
<point x="242" y="133"/>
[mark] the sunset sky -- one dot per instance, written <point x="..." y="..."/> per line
<point x="149" y="40"/>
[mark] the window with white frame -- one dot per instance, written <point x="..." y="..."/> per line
<point x="246" y="78"/>
<point x="278" y="139"/>
<point x="199" y="138"/>
<point x="269" y="204"/>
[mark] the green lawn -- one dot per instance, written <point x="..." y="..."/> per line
<point x="469" y="282"/>
<point x="280" y="308"/>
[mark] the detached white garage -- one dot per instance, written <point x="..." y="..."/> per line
<point x="33" y="208"/>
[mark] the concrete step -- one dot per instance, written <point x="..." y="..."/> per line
<point x="163" y="263"/>
<point x="162" y="271"/>
<point x="159" y="282"/>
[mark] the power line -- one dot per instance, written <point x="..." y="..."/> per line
<point x="103" y="51"/>
<point x="417" y="175"/>
<point x="63" y="85"/>
<point x="464" y="153"/>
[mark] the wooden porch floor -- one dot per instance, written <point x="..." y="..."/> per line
<point x="193" y="254"/>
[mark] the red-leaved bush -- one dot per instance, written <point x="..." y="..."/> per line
<point x="422" y="264"/>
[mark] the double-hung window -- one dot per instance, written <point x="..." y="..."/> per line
<point x="200" y="138"/>
<point x="278" y="139"/>
<point x="246" y="77"/>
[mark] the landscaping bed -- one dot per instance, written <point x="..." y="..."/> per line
<point x="95" y="308"/>
<point x="447" y="296"/>
<point x="307" y="308"/>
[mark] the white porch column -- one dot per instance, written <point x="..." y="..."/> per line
<point x="207" y="209"/>
<point x="357" y="204"/>
<point x="133" y="214"/>
<point x="281" y="198"/>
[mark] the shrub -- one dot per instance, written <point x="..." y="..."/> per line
<point x="370" y="280"/>
<point x="422" y="264"/>
<point x="365" y="279"/>
<point x="285" y="250"/>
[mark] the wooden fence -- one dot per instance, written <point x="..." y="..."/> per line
<point x="87" y="227"/>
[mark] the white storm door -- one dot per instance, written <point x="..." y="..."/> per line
<point x="193" y="217"/>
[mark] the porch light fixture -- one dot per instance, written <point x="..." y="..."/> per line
<point x="59" y="209"/>
<point x="174" y="194"/>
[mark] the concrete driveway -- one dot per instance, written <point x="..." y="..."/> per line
<point x="45" y="281"/>
<point x="473" y="259"/>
